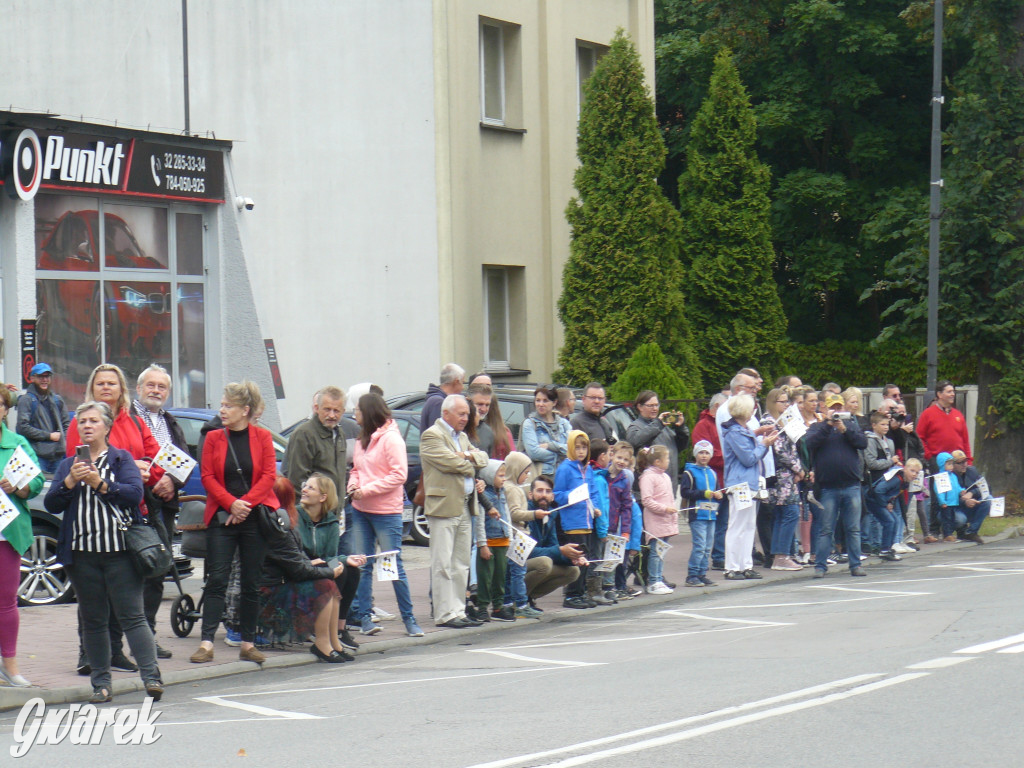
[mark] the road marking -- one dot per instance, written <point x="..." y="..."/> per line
<point x="974" y="563"/>
<point x="871" y="591"/>
<point x="811" y="691"/>
<point x="992" y="645"/>
<point x="731" y="621"/>
<point x="673" y="738"/>
<point x="940" y="663"/>
<point x="257" y="710"/>
<point x="519" y="657"/>
<point x="604" y="640"/>
<point x="948" y="578"/>
<point x="801" y="603"/>
<point x="1012" y="649"/>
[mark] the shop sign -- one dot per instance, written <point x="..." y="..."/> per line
<point x="135" y="167"/>
<point x="28" y="349"/>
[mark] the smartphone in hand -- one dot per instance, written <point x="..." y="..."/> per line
<point x="82" y="454"/>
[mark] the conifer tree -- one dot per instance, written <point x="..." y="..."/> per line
<point x="648" y="369"/>
<point x="622" y="283"/>
<point x="732" y="300"/>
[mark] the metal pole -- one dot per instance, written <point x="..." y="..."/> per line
<point x="184" y="60"/>
<point x="935" y="208"/>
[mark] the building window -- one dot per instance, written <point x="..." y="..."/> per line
<point x="496" y="313"/>
<point x="587" y="56"/>
<point x="500" y="74"/>
<point x="122" y="284"/>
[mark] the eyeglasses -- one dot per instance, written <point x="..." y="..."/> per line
<point x="651" y="404"/>
<point x="594" y="397"/>
<point x="960" y="461"/>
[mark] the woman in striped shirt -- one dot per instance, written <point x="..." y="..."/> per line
<point x="99" y="499"/>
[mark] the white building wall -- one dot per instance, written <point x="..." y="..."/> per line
<point x="330" y="106"/>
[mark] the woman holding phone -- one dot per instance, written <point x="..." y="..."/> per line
<point x="98" y="494"/>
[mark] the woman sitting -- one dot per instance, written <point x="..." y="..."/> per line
<point x="318" y="531"/>
<point x="99" y="499"/>
<point x="300" y="596"/>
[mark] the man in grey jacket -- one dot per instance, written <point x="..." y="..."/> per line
<point x="42" y="418"/>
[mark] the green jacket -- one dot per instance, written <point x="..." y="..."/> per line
<point x="319" y="539"/>
<point x="313" y="447"/>
<point x="19" y="533"/>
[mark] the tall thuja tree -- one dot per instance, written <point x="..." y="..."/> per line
<point x="621" y="286"/>
<point x="727" y="239"/>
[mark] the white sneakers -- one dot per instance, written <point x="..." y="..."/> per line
<point x="786" y="564"/>
<point x="659" y="588"/>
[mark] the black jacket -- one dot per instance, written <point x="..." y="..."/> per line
<point x="285" y="561"/>
<point x="834" y="454"/>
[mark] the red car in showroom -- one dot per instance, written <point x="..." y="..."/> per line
<point x="137" y="314"/>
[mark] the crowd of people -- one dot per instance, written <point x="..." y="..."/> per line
<point x="799" y="479"/>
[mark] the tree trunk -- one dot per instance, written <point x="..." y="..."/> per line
<point x="998" y="450"/>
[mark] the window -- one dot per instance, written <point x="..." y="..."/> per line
<point x="500" y="75"/>
<point x="587" y="56"/>
<point x="496" y="352"/>
<point x="122" y="284"/>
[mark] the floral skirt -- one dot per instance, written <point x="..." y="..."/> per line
<point x="288" y="611"/>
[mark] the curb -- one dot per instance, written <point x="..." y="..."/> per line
<point x="15" y="698"/>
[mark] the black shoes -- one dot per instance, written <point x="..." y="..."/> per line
<point x="347" y="641"/>
<point x="505" y="613"/>
<point x="162" y="653"/>
<point x="578" y="602"/>
<point x="718" y="565"/>
<point x="122" y="662"/>
<point x="858" y="571"/>
<point x="334" y="657"/>
<point x="460" y="622"/>
<point x="83" y="667"/>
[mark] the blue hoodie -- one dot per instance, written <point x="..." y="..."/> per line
<point x="601" y="500"/>
<point x="952" y="497"/>
<point x="570" y="476"/>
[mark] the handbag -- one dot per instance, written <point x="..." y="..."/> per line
<point x="271" y="522"/>
<point x="147" y="551"/>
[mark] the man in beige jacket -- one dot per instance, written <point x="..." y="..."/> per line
<point x="449" y="466"/>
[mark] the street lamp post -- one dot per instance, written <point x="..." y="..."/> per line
<point x="935" y="205"/>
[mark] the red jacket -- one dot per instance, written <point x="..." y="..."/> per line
<point x="705" y="429"/>
<point x="128" y="434"/>
<point x="943" y="432"/>
<point x="264" y="471"/>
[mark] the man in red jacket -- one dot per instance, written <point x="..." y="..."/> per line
<point x="941" y="427"/>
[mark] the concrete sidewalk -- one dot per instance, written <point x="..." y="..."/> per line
<point x="48" y="639"/>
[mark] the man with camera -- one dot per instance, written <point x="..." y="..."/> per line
<point x="833" y="445"/>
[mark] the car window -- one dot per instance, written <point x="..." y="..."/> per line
<point x="412" y="438"/>
<point x="190" y="428"/>
<point x="514" y="413"/>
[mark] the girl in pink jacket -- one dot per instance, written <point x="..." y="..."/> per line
<point x="661" y="517"/>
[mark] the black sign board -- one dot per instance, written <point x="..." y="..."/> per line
<point x="275" y="369"/>
<point x="28" y="349"/>
<point x="166" y="170"/>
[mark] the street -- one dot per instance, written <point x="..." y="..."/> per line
<point x="916" y="665"/>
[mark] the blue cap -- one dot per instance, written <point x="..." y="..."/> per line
<point x="40" y="368"/>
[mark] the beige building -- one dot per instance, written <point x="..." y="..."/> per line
<point x="507" y="77"/>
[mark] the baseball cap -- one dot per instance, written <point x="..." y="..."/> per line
<point x="40" y="368"/>
<point x="833" y="399"/>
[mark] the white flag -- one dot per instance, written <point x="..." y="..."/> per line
<point x="522" y="546"/>
<point x="982" y="486"/>
<point x="998" y="507"/>
<point x="579" y="493"/>
<point x="942" y="483"/>
<point x="385" y="567"/>
<point x="20" y="468"/>
<point x="661" y="547"/>
<point x="7" y="511"/>
<point x="891" y="472"/>
<point x="741" y="498"/>
<point x="175" y="462"/>
<point x="614" y="552"/>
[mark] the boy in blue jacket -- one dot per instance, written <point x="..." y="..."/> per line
<point x="698" y="485"/>
<point x="950" y="514"/>
<point x="601" y="586"/>
<point x="577" y="519"/>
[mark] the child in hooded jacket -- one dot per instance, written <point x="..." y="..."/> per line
<point x="577" y="519"/>
<point x="948" y="503"/>
<point x="661" y="518"/>
<point x="492" y="546"/>
<point x="698" y="486"/>
<point x="519" y="475"/>
<point x="602" y="582"/>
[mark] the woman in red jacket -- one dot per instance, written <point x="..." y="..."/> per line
<point x="238" y="471"/>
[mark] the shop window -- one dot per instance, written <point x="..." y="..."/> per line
<point x="115" y="316"/>
<point x="500" y="74"/>
<point x="587" y="56"/>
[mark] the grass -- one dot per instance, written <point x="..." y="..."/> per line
<point x="995" y="525"/>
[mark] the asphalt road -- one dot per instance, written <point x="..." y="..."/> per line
<point x="917" y="665"/>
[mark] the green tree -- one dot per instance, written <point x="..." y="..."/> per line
<point x="649" y="369"/>
<point x="840" y="93"/>
<point x="727" y="248"/>
<point x="621" y="283"/>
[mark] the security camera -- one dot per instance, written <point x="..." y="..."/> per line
<point x="245" y="202"/>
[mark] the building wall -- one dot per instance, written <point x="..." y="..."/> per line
<point x="330" y="108"/>
<point x="502" y="195"/>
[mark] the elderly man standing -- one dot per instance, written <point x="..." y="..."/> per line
<point x="152" y="390"/>
<point x="449" y="466"/>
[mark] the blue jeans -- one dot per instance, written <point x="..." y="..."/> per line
<point x="721" y="524"/>
<point x="49" y="466"/>
<point x="702" y="532"/>
<point x="656" y="565"/>
<point x="787" y="516"/>
<point x="976" y="516"/>
<point x="886" y="518"/>
<point x="346" y="543"/>
<point x="515" y="584"/>
<point x="368" y="532"/>
<point x="953" y="518"/>
<point x="839" y="504"/>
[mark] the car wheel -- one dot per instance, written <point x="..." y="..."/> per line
<point x="43" y="580"/>
<point x="420" y="531"/>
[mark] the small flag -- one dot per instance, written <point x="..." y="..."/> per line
<point x="175" y="462"/>
<point x="20" y="468"/>
<point x="385" y="567"/>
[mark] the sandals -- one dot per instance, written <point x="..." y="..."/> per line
<point x="100" y="696"/>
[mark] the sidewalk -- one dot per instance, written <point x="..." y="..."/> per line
<point x="48" y="640"/>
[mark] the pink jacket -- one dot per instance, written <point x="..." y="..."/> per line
<point x="661" y="518"/>
<point x="380" y="472"/>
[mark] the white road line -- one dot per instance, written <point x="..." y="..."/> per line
<point x="605" y="640"/>
<point x="979" y="562"/>
<point x="801" y="603"/>
<point x="947" y="578"/>
<point x="811" y="691"/>
<point x="941" y="662"/>
<point x="871" y="591"/>
<point x="519" y="657"/>
<point x="257" y="710"/>
<point x="1012" y="649"/>
<point x="730" y="621"/>
<point x="992" y="645"/>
